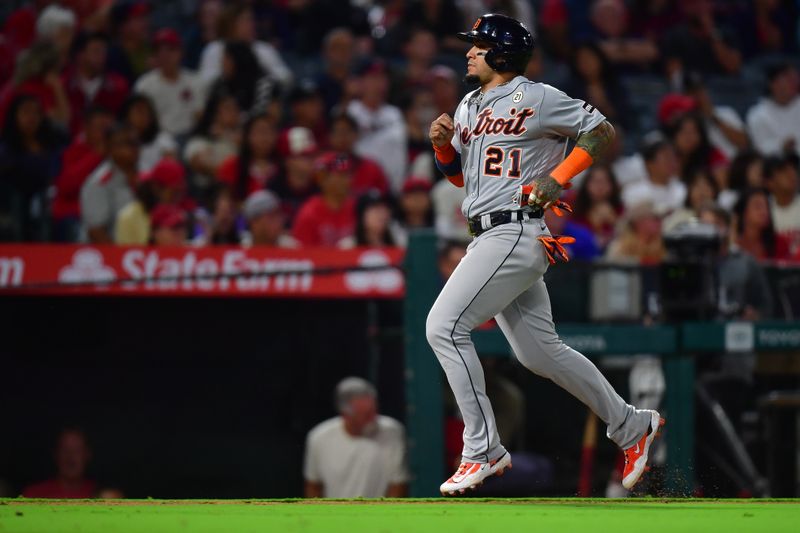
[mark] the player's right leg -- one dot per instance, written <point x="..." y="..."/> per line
<point x="528" y="325"/>
<point x="497" y="267"/>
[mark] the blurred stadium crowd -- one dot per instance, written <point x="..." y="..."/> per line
<point x="304" y="122"/>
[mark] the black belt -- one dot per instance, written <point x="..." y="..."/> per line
<point x="479" y="224"/>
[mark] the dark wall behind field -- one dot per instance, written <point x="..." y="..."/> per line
<point x="186" y="397"/>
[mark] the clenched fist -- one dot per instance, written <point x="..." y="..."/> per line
<point x="442" y="130"/>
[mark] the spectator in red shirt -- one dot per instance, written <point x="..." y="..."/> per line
<point x="367" y="174"/>
<point x="79" y="160"/>
<point x="88" y="83"/>
<point x="329" y="217"/>
<point x="72" y="456"/>
<point x="255" y="166"/>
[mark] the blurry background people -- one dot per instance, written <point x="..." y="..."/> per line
<point x="30" y="159"/>
<point x="744" y="292"/>
<point x="755" y="233"/>
<point x="89" y="83"/>
<point x="78" y="161"/>
<point x="702" y="190"/>
<point x="640" y="239"/>
<point x="367" y="174"/>
<point x="255" y="166"/>
<point x="726" y="129"/>
<point x="415" y="208"/>
<point x="236" y="24"/>
<point x="359" y="453"/>
<point x="130" y="54"/>
<point x="168" y="226"/>
<point x="774" y="122"/>
<point x="375" y="227"/>
<point x="37" y="74"/>
<point x="57" y="25"/>
<point x="154" y="143"/>
<point x="598" y="205"/>
<point x="266" y="223"/>
<point x="111" y="186"/>
<point x="224" y="225"/>
<point x="215" y="139"/>
<point x="165" y="184"/>
<point x="177" y="94"/>
<point x="307" y="110"/>
<point x="626" y="45"/>
<point x="329" y="217"/>
<point x="72" y="455"/>
<point x="338" y="54"/>
<point x="297" y="181"/>
<point x="205" y="31"/>
<point x="662" y="186"/>
<point x="780" y="176"/>
<point x="243" y="78"/>
<point x="382" y="129"/>
<point x="594" y="80"/>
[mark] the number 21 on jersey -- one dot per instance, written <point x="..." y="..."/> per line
<point x="493" y="160"/>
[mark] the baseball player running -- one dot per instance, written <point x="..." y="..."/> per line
<point x="506" y="144"/>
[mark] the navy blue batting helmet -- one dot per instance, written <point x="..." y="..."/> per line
<point x="511" y="43"/>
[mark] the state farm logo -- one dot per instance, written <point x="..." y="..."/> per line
<point x="11" y="271"/>
<point x="236" y="270"/>
<point x="87" y="266"/>
<point x="384" y="280"/>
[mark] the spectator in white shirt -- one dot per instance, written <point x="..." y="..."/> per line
<point x="358" y="453"/>
<point x="780" y="176"/>
<point x="774" y="122"/>
<point x="726" y="130"/>
<point x="178" y="94"/>
<point x="382" y="128"/>
<point x="237" y="24"/>
<point x="662" y="186"/>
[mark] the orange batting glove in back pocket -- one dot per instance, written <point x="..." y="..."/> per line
<point x="554" y="247"/>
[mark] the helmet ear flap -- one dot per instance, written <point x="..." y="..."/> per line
<point x="496" y="60"/>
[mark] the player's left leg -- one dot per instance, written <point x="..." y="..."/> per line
<point x="528" y="325"/>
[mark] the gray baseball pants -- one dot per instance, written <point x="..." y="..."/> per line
<point x="501" y="277"/>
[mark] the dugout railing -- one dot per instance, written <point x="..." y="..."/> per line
<point x="676" y="343"/>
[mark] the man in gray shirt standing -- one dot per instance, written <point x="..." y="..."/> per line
<point x="506" y="145"/>
<point x="111" y="186"/>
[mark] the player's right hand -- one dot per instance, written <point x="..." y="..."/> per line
<point x="442" y="130"/>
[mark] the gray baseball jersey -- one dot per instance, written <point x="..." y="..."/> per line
<point x="512" y="134"/>
<point x="506" y="138"/>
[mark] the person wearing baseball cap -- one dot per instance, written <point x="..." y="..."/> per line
<point x="178" y="94"/>
<point x="168" y="223"/>
<point x="265" y="221"/>
<point x="416" y="207"/>
<point x="296" y="184"/>
<point x="329" y="217"/>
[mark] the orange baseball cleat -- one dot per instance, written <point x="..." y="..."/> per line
<point x="636" y="455"/>
<point x="470" y="476"/>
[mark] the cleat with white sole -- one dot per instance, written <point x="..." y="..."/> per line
<point x="471" y="475"/>
<point x="636" y="455"/>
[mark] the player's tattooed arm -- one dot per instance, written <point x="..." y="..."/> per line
<point x="596" y="141"/>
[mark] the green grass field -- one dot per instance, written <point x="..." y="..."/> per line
<point x="434" y="515"/>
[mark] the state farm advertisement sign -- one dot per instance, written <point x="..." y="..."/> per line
<point x="215" y="271"/>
